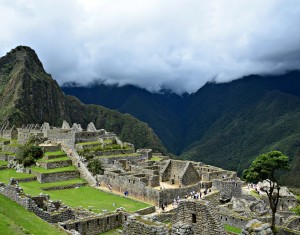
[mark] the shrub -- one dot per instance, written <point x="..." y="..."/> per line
<point x="28" y="154"/>
<point x="95" y="166"/>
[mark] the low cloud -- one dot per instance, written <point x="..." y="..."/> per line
<point x="179" y="45"/>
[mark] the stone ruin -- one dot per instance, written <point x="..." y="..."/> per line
<point x="157" y="182"/>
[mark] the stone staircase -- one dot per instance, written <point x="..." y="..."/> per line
<point x="81" y="167"/>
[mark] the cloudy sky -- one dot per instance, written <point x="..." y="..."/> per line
<point x="175" y="44"/>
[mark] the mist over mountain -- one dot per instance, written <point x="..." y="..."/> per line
<point x="223" y="124"/>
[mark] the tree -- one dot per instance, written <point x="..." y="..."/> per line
<point x="266" y="167"/>
<point x="95" y="166"/>
<point x="29" y="153"/>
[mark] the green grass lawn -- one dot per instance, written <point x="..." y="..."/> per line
<point x="232" y="229"/>
<point x="6" y="174"/>
<point x="8" y="153"/>
<point x="112" y="232"/>
<point x="34" y="187"/>
<point x="54" y="153"/>
<point x="15" y="220"/>
<point x="54" y="159"/>
<point x="3" y="163"/>
<point x="89" y="198"/>
<point x="43" y="170"/>
<point x="89" y="143"/>
<point x="156" y="158"/>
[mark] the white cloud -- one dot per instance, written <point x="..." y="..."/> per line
<point x="172" y="43"/>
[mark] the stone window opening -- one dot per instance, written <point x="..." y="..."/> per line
<point x="76" y="226"/>
<point x="88" y="224"/>
<point x="194" y="219"/>
<point x="125" y="218"/>
<point x="98" y="221"/>
<point x="117" y="218"/>
<point x="107" y="220"/>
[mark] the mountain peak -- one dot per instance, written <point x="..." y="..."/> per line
<point x="25" y="57"/>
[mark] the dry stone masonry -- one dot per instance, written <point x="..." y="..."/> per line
<point x="201" y="198"/>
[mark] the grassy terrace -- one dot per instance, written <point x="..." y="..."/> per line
<point x="56" y="153"/>
<point x="84" y="196"/>
<point x="8" y="153"/>
<point x="15" y="220"/>
<point x="42" y="170"/>
<point x="119" y="155"/>
<point x="54" y="160"/>
<point x="34" y="187"/>
<point x="94" y="199"/>
<point x="6" y="174"/>
<point x="3" y="163"/>
<point x="112" y="232"/>
<point x="155" y="158"/>
<point x="89" y="143"/>
<point x="232" y="229"/>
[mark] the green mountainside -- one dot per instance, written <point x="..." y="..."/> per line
<point x="226" y="124"/>
<point x="29" y="95"/>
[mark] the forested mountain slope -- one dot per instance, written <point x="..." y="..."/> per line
<point x="224" y="124"/>
<point x="29" y="95"/>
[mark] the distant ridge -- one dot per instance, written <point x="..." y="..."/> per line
<point x="29" y="95"/>
<point x="223" y="124"/>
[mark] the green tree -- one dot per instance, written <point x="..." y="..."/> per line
<point x="266" y="167"/>
<point x="29" y="153"/>
<point x="95" y="166"/>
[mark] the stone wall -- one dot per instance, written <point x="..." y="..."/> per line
<point x="136" y="225"/>
<point x="24" y="134"/>
<point x="293" y="223"/>
<point x="63" y="187"/>
<point x="10" y="149"/>
<point x="50" y="147"/>
<point x="173" y="171"/>
<point x="189" y="175"/>
<point x="137" y="187"/>
<point x="57" y="164"/>
<point x="168" y="195"/>
<point x="236" y="221"/>
<point x="201" y="215"/>
<point x="146" y="211"/>
<point x="95" y="225"/>
<point x="114" y="152"/>
<point x="87" y="136"/>
<point x="217" y="174"/>
<point x="111" y="159"/>
<point x="228" y="188"/>
<point x="15" y="193"/>
<point x="60" y="135"/>
<point x="56" y="176"/>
